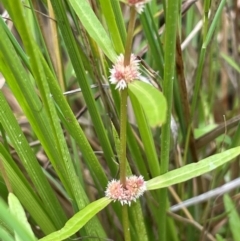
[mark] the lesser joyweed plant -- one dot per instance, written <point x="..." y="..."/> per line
<point x="145" y="150"/>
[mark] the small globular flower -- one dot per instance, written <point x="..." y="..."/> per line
<point x="135" y="187"/>
<point x="122" y="75"/>
<point x="139" y="4"/>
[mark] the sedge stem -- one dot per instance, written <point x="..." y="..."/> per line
<point x="124" y="94"/>
<point x="123" y="118"/>
<point x="123" y="123"/>
<point x="126" y="227"/>
<point x="131" y="25"/>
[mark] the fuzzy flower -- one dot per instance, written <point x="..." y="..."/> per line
<point x="139" y="4"/>
<point x="122" y="75"/>
<point x="135" y="187"/>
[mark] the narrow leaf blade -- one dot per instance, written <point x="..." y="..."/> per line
<point x="233" y="216"/>
<point x="13" y="223"/>
<point x="78" y="220"/>
<point x="94" y="27"/>
<point x="18" y="211"/>
<point x="192" y="170"/>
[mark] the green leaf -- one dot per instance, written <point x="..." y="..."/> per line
<point x="17" y="210"/>
<point x="231" y="62"/>
<point x="233" y="216"/>
<point x="83" y="82"/>
<point x="111" y="21"/>
<point x="23" y="190"/>
<point x="147" y="138"/>
<point x="19" y="82"/>
<point x="137" y="220"/>
<point x="63" y="161"/>
<point x="199" y="132"/>
<point x="78" y="220"/>
<point x="4" y="235"/>
<point x="94" y="27"/>
<point x="13" y="223"/>
<point x="219" y="238"/>
<point x="153" y="39"/>
<point x="192" y="170"/>
<point x="152" y="101"/>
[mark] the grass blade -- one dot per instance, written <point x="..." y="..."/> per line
<point x="193" y="170"/>
<point x="78" y="220"/>
<point x="234" y="219"/>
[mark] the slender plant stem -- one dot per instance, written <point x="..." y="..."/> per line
<point x="200" y="66"/>
<point x="169" y="73"/>
<point x="123" y="118"/>
<point x="131" y="25"/>
<point x="207" y="5"/>
<point x="126" y="227"/>
<point x="184" y="100"/>
<point x="124" y="94"/>
<point x="123" y="122"/>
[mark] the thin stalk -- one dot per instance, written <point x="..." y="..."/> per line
<point x="126" y="227"/>
<point x="184" y="100"/>
<point x="169" y="73"/>
<point x="198" y="79"/>
<point x="207" y="5"/>
<point x="202" y="56"/>
<point x="123" y="122"/>
<point x="124" y="94"/>
<point x="128" y="47"/>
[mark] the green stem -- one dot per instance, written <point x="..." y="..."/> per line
<point x="126" y="227"/>
<point x="169" y="73"/>
<point x="207" y="6"/>
<point x="123" y="122"/>
<point x="131" y="25"/>
<point x="124" y="94"/>
<point x="200" y="66"/>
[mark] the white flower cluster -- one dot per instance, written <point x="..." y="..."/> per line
<point x="122" y="75"/>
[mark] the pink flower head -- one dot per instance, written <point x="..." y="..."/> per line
<point x="135" y="187"/>
<point x="122" y="75"/>
<point x="139" y="4"/>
